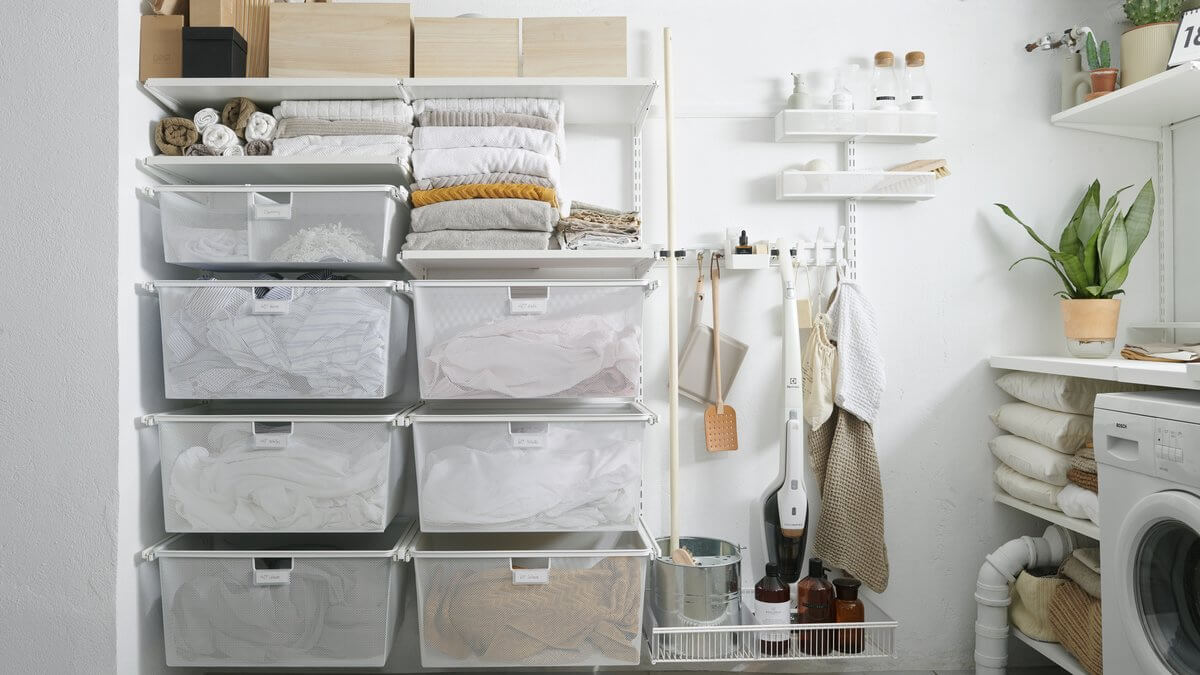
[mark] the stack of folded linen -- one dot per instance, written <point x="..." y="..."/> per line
<point x="344" y="129"/>
<point x="1046" y="446"/>
<point x="596" y="227"/>
<point x="487" y="173"/>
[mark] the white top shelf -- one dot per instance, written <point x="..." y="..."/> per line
<point x="1085" y="527"/>
<point x="267" y="170"/>
<point x="869" y="126"/>
<point x="1053" y="651"/>
<point x="588" y="100"/>
<point x="1173" y="375"/>
<point x="1142" y="109"/>
<point x="891" y="186"/>
<point x="622" y="263"/>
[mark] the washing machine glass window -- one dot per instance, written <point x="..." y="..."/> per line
<point x="1167" y="582"/>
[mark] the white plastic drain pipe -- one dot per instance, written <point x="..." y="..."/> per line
<point x="1000" y="568"/>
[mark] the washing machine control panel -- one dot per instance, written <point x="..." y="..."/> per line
<point x="1177" y="449"/>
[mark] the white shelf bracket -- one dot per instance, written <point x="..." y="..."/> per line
<point x="851" y="235"/>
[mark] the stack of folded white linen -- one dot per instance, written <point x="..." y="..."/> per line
<point x="378" y="128"/>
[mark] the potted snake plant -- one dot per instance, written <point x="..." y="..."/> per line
<point x="1099" y="58"/>
<point x="1092" y="261"/>
<point x="1146" y="48"/>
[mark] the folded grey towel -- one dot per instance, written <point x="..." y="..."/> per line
<point x="310" y="126"/>
<point x="467" y="118"/>
<point x="485" y="214"/>
<point x="476" y="240"/>
<point x="200" y="150"/>
<point x="258" y="148"/>
<point x="480" y="178"/>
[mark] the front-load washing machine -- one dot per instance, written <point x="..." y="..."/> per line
<point x="1148" y="455"/>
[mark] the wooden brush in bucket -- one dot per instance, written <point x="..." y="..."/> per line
<point x="720" y="420"/>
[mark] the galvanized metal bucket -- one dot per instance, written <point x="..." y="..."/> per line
<point x="707" y="594"/>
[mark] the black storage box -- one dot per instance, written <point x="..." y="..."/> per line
<point x="213" y="51"/>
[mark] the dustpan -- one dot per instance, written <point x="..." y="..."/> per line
<point x="697" y="380"/>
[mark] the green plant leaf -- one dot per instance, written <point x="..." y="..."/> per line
<point x="1072" y="266"/>
<point x="1088" y="213"/>
<point x="1113" y="285"/>
<point x="1110" y="211"/>
<point x="1139" y="218"/>
<point x="1093" y="57"/>
<point x="1066" y="282"/>
<point x="1114" y="252"/>
<point x="1093" y="290"/>
<point x="1008" y="212"/>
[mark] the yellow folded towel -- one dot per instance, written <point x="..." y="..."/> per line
<point x="485" y="191"/>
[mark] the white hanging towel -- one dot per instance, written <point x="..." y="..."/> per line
<point x="860" y="377"/>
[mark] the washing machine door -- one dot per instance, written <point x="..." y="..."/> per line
<point x="1159" y="561"/>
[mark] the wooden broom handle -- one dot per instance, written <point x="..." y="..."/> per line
<point x="714" y="273"/>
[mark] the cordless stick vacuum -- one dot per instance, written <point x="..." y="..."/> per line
<point x="785" y="513"/>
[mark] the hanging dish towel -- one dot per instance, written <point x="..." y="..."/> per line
<point x="850" y="530"/>
<point x="860" y="373"/>
<point x="820" y="364"/>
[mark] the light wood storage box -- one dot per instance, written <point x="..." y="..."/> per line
<point x="466" y="47"/>
<point x="251" y="18"/>
<point x="340" y="39"/>
<point x="593" y="46"/>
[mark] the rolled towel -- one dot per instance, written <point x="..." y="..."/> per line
<point x="236" y="114"/>
<point x="234" y="150"/>
<point x="205" y="118"/>
<point x="260" y="127"/>
<point x="258" y="148"/>
<point x="218" y="137"/>
<point x="200" y="150"/>
<point x="175" y="134"/>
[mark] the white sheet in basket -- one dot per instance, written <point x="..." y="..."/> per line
<point x="525" y="357"/>
<point x="330" y="477"/>
<point x="579" y="480"/>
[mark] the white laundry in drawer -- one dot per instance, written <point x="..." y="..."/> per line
<point x="529" y="339"/>
<point x="282" y="339"/>
<point x="281" y="472"/>
<point x="524" y="468"/>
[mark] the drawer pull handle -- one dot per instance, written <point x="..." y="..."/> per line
<point x="273" y="571"/>
<point x="530" y="571"/>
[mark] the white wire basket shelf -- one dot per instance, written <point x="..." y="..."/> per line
<point x="875" y="638"/>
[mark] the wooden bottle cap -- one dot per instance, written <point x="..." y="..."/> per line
<point x="914" y="59"/>
<point x="884" y="59"/>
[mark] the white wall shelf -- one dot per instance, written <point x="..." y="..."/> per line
<point x="892" y="186"/>
<point x="1085" y="527"/>
<point x="1142" y="109"/>
<point x="185" y="95"/>
<point x="868" y="126"/>
<point x="277" y="170"/>
<point x="471" y="264"/>
<point x="1173" y="375"/>
<point x="1053" y="651"/>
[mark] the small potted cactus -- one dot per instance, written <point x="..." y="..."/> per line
<point x="1146" y="48"/>
<point x="1099" y="58"/>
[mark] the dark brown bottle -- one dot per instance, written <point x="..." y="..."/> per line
<point x="847" y="608"/>
<point x="773" y="606"/>
<point x="814" y="604"/>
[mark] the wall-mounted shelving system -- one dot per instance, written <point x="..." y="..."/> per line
<point x="1173" y="375"/>
<point x="1053" y="651"/>
<point x="1085" y="527"/>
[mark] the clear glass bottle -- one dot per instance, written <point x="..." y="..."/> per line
<point x="884" y="88"/>
<point x="847" y="608"/>
<point x="916" y="83"/>
<point x="842" y="98"/>
<point x="773" y="607"/>
<point x="814" y="604"/>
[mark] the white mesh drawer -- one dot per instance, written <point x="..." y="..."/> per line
<point x="282" y="227"/>
<point x="291" y="339"/>
<point x="280" y="473"/>
<point x="522" y="600"/>
<point x="525" y="469"/>
<point x="529" y="339"/>
<point x="332" y="601"/>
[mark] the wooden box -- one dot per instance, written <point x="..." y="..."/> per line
<point x="161" y="46"/>
<point x="251" y="18"/>
<point x="203" y="13"/>
<point x="466" y="47"/>
<point x="592" y="46"/>
<point x="340" y="39"/>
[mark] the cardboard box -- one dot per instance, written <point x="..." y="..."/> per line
<point x="466" y="47"/>
<point x="211" y="13"/>
<point x="591" y="46"/>
<point x="162" y="46"/>
<point x="340" y="39"/>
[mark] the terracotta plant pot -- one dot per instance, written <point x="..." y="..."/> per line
<point x="1090" y="326"/>
<point x="1145" y="50"/>
<point x="1104" y="80"/>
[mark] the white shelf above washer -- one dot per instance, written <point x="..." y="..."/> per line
<point x="868" y="126"/>
<point x="468" y="264"/>
<point x="186" y="95"/>
<point x="1142" y="109"/>
<point x="1053" y="651"/>
<point x="1085" y="527"/>
<point x="1173" y="375"/>
<point x="277" y="170"/>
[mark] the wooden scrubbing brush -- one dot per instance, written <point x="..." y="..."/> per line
<point x="937" y="167"/>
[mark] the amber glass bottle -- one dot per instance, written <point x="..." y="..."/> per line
<point x="773" y="606"/>
<point x="847" y="608"/>
<point x="814" y="604"/>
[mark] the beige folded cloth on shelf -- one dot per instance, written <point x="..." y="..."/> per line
<point x="439" y="182"/>
<point x="1078" y="571"/>
<point x="477" y="240"/>
<point x="1162" y="352"/>
<point x="482" y="614"/>
<point x="467" y="118"/>
<point x="173" y="135"/>
<point x="1030" y="608"/>
<point x="1088" y="556"/>
<point x="485" y="214"/>
<point x="291" y="127"/>
<point x="1075" y="618"/>
<point x="236" y="114"/>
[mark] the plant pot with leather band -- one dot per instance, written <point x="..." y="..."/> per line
<point x="1090" y="326"/>
<point x="1145" y="50"/>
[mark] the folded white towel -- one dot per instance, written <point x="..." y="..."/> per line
<point x="218" y="137"/>
<point x="234" y="150"/>
<point x="533" y="140"/>
<point x="550" y="108"/>
<point x="260" y="127"/>
<point x="393" y="110"/>
<point x="344" y="146"/>
<point x="462" y="161"/>
<point x="205" y="118"/>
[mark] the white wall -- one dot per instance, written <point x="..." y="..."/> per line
<point x="58" y="338"/>
<point x="936" y="273"/>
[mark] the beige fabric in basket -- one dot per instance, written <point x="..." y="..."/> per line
<point x="1075" y="618"/>
<point x="1030" y="608"/>
<point x="850" y="531"/>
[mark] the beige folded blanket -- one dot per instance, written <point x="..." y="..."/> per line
<point x="482" y="614"/>
<point x="236" y="114"/>
<point x="468" y="118"/>
<point x="1076" y="570"/>
<point x="1030" y="608"/>
<point x="485" y="214"/>
<point x="1075" y="618"/>
<point x="477" y="240"/>
<point x="438" y="182"/>
<point x="308" y="126"/>
<point x="173" y="135"/>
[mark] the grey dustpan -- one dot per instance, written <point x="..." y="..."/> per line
<point x="697" y="380"/>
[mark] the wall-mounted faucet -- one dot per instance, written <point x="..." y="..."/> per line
<point x="1071" y="38"/>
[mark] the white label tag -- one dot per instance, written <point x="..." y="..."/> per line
<point x="270" y="306"/>
<point x="772" y="614"/>
<point x="272" y="211"/>
<point x="528" y="440"/>
<point x="531" y="577"/>
<point x="272" y="577"/>
<point x="527" y="305"/>
<point x="270" y="441"/>
<point x="528" y="434"/>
